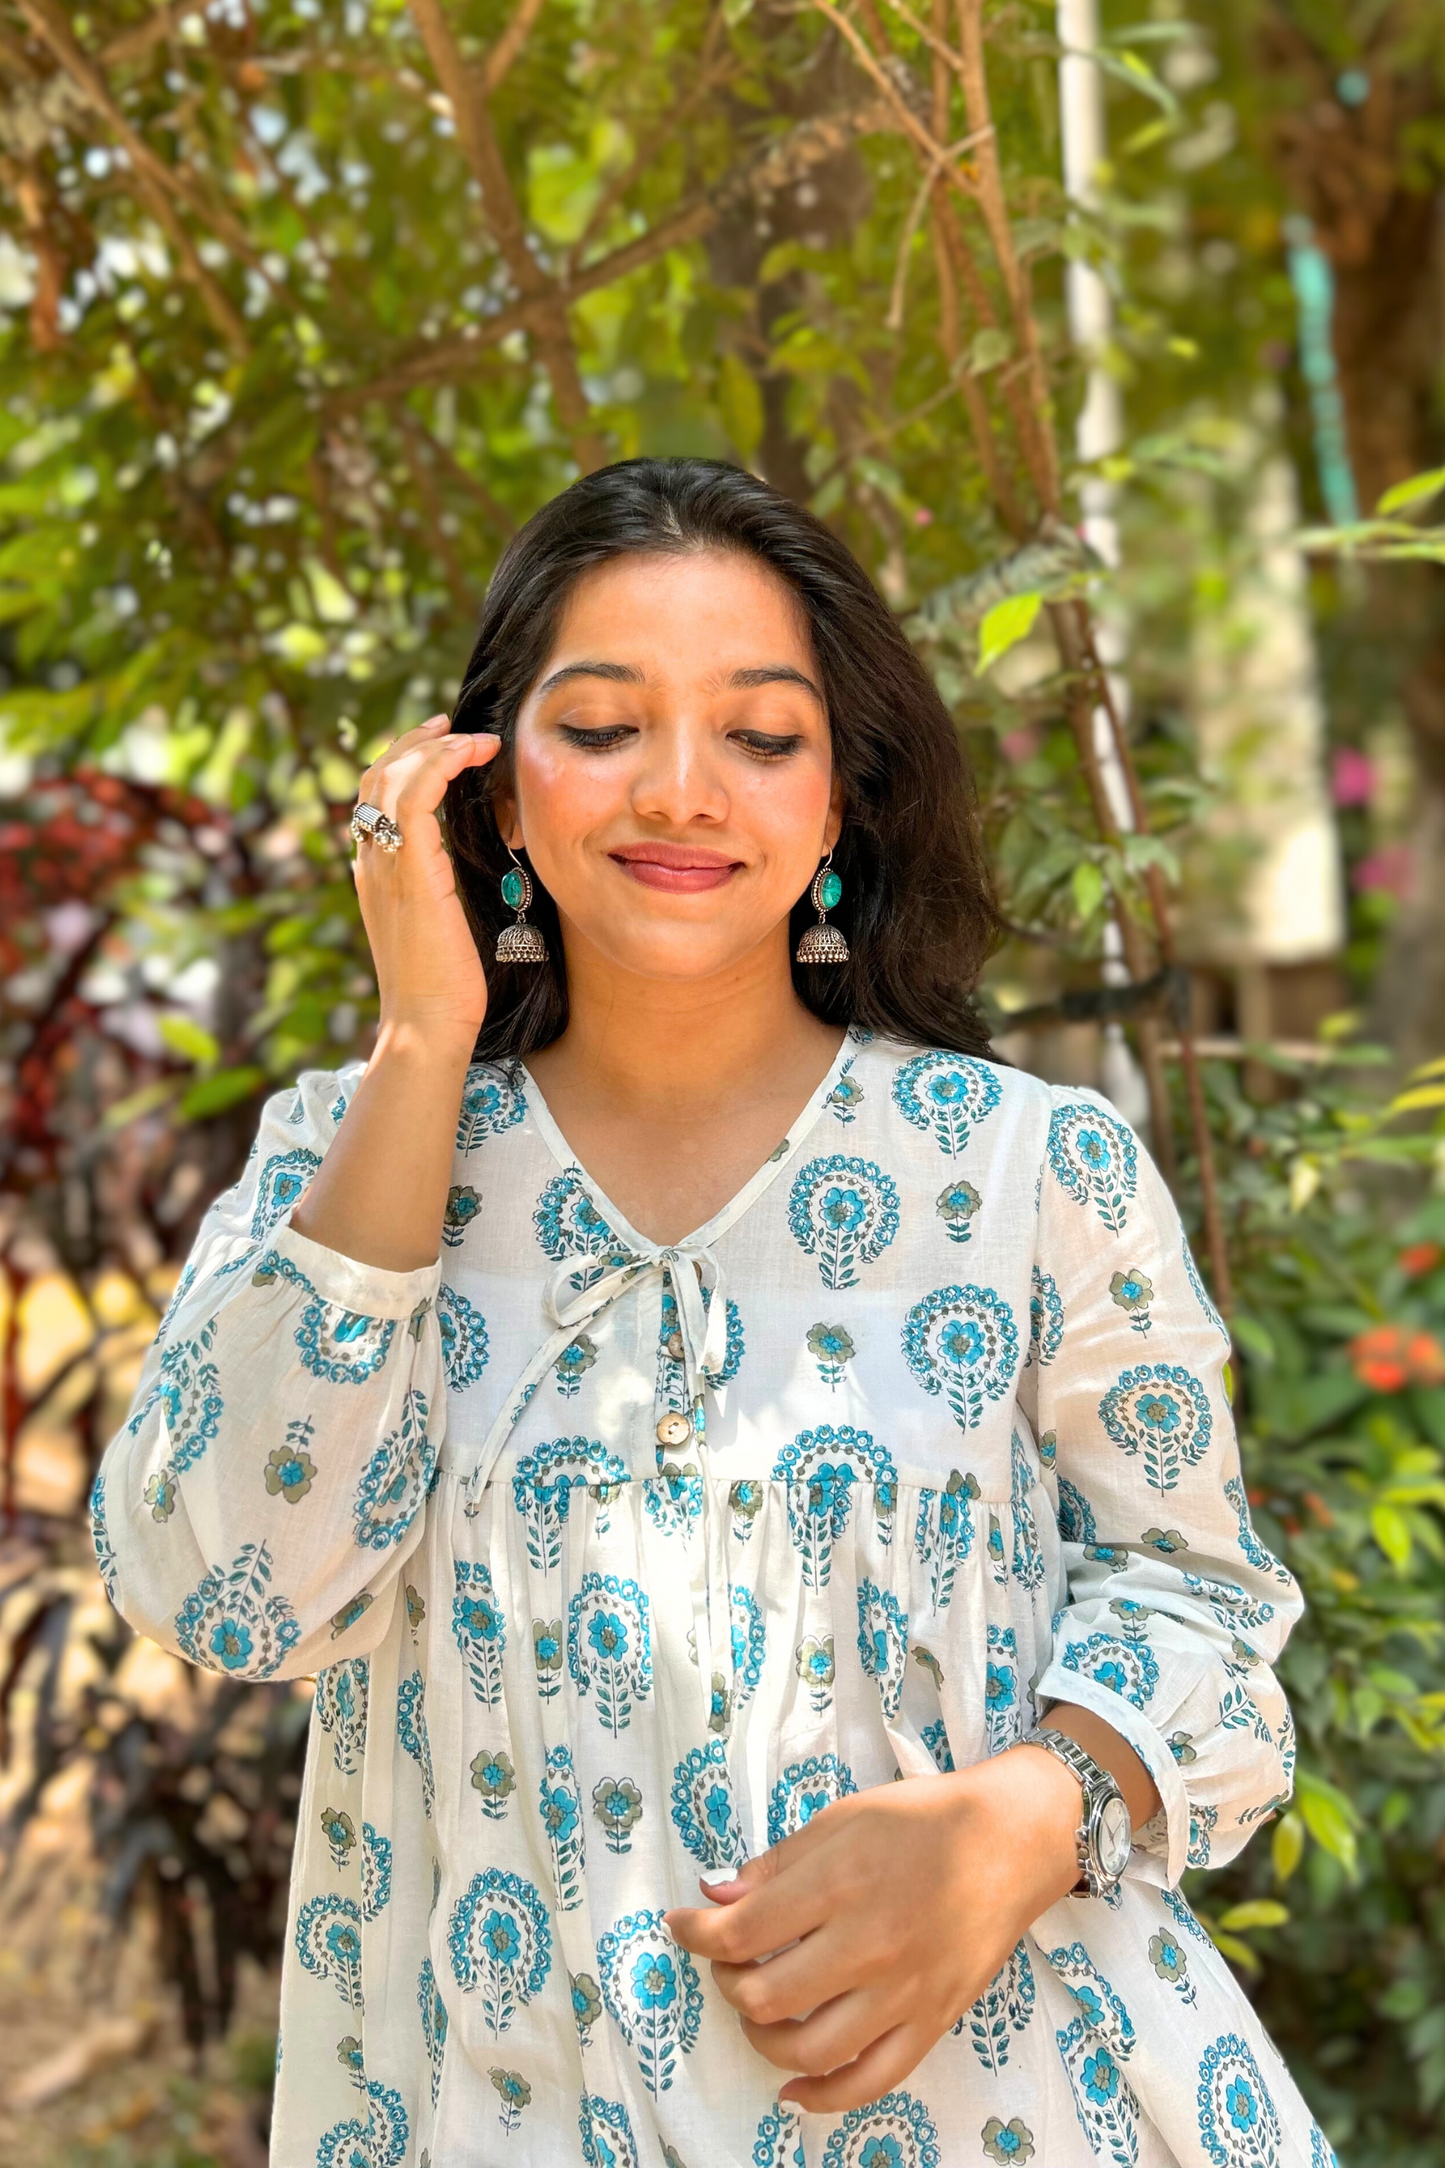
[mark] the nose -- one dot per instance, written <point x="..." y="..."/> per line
<point x="680" y="779"/>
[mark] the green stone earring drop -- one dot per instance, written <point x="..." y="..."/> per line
<point x="823" y="944"/>
<point x="521" y="943"/>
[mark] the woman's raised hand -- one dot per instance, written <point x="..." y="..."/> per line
<point x="429" y="974"/>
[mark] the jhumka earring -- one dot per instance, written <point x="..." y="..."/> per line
<point x="823" y="944"/>
<point x="521" y="943"/>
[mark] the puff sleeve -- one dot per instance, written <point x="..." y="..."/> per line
<point x="254" y="1512"/>
<point x="1176" y="1609"/>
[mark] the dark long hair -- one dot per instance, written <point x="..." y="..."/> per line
<point x="917" y="908"/>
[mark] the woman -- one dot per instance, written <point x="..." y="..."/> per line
<point x="695" y="1414"/>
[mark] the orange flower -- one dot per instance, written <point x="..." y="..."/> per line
<point x="1387" y="1358"/>
<point x="1420" y="1257"/>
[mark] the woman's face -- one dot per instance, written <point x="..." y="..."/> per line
<point x="672" y="765"/>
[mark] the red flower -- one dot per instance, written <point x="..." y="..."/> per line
<point x="1420" y="1257"/>
<point x="1387" y="1358"/>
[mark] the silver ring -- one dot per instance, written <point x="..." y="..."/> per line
<point x="370" y="825"/>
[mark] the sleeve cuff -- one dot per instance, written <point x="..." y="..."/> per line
<point x="365" y="1289"/>
<point x="1059" y="1684"/>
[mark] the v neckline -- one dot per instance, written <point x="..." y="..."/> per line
<point x="728" y="1214"/>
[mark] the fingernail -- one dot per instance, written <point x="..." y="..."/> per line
<point x="434" y="722"/>
<point x="718" y="1877"/>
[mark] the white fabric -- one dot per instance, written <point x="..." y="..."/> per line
<point x="957" y="1443"/>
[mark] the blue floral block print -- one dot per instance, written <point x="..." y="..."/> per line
<point x="479" y="1629"/>
<point x="962" y="1342"/>
<point x="1238" y="2126"/>
<point x="943" y="1533"/>
<point x="1094" y="1159"/>
<point x="703" y="1813"/>
<point x="464" y="1339"/>
<point x="341" y="1346"/>
<point x="823" y="1469"/>
<point x="380" y="2142"/>
<point x="609" y="1647"/>
<point x="499" y="1939"/>
<point x="283" y="1182"/>
<point x="232" y="1622"/>
<point x="883" y="1643"/>
<point x="1160" y="1412"/>
<point x="560" y="1805"/>
<point x="568" y="1224"/>
<point x="606" y="2132"/>
<point x="894" y="2132"/>
<point x="328" y="1943"/>
<point x="397" y="1479"/>
<point x="651" y="1988"/>
<point x="947" y="1094"/>
<point x="433" y="2024"/>
<point x="188" y="1395"/>
<point x="804" y="1789"/>
<point x="490" y="1107"/>
<point x="1002" y="2011"/>
<point x="1046" y="1319"/>
<point x="1107" y="2107"/>
<point x="342" y="1695"/>
<point x="1126" y="1667"/>
<point x="844" y="1212"/>
<point x="543" y="1486"/>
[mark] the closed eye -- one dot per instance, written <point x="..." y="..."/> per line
<point x="595" y="741"/>
<point x="763" y="745"/>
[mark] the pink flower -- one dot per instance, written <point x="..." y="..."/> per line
<point x="1391" y="869"/>
<point x="1353" y="779"/>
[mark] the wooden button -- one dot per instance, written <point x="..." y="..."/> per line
<point x="673" y="1430"/>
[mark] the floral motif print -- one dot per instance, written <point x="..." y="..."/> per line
<point x="844" y="1212"/>
<point x="1008" y="2142"/>
<point x="231" y="1621"/>
<point x="462" y="1206"/>
<point x="617" y="1805"/>
<point x="340" y="1346"/>
<point x="1201" y="1293"/>
<point x="568" y="1224"/>
<point x="1171" y="1964"/>
<point x="651" y="1988"/>
<point x="804" y="1789"/>
<point x="745" y="1497"/>
<point x="188" y="1395"/>
<point x="328" y="1943"/>
<point x="1094" y="1159"/>
<point x="162" y="1492"/>
<point x="943" y="1534"/>
<point x="479" y="1629"/>
<point x="947" y="1093"/>
<point x="1133" y="1291"/>
<point x="411" y="1734"/>
<point x="1107" y="2108"/>
<point x="573" y="1364"/>
<point x="832" y="1349"/>
<point x="956" y="1207"/>
<point x="290" y="1469"/>
<point x="283" y="1182"/>
<point x="341" y="1699"/>
<point x="500" y="1943"/>
<point x="1161" y="1412"/>
<point x="375" y="1872"/>
<point x="586" y="2004"/>
<point x="561" y="1809"/>
<point x="1127" y="1668"/>
<point x="883" y="1643"/>
<point x="607" y="2140"/>
<point x="1001" y="1689"/>
<point x="816" y="1666"/>
<point x="1046" y="1319"/>
<point x="494" y="1777"/>
<point x="490" y="1107"/>
<point x="844" y="1100"/>
<point x="514" y="2093"/>
<point x="465" y="1347"/>
<point x="379" y="2142"/>
<point x="822" y="1469"/>
<point x="702" y="1808"/>
<point x="547" y="1653"/>
<point x="543" y="1484"/>
<point x="1238" y="2126"/>
<point x="894" y="2132"/>
<point x="609" y="1647"/>
<point x="962" y="1342"/>
<point x="1252" y="1550"/>
<point x="671" y="1384"/>
<point x="779" y="2142"/>
<point x="340" y="1833"/>
<point x="1002" y="2011"/>
<point x="433" y="2024"/>
<point x="397" y="1478"/>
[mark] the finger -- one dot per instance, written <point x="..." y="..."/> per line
<point x="415" y="780"/>
<point x="881" y="2067"/>
<point x="757" y="1923"/>
<point x="800" y="1979"/>
<point x="827" y="2039"/>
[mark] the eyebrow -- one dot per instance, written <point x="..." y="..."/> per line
<point x="625" y="673"/>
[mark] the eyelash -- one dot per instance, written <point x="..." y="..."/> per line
<point x="757" y="743"/>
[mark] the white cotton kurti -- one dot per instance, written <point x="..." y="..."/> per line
<point x="617" y="1563"/>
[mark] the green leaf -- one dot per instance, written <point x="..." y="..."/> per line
<point x="1330" y="1818"/>
<point x="988" y="349"/>
<point x="1416" y="490"/>
<point x="736" y="11"/>
<point x="1239" y="1953"/>
<point x="184" y="1036"/>
<point x="740" y="403"/>
<point x="213" y="1094"/>
<point x="1005" y="625"/>
<point x="1255" y="1912"/>
<point x="144" y="1101"/>
<point x="1253" y="1338"/>
<point x="1087" y="883"/>
<point x="1391" y="1531"/>
<point x="1287" y="1846"/>
<point x="1410" y="1102"/>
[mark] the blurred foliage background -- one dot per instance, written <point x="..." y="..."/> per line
<point x="304" y="308"/>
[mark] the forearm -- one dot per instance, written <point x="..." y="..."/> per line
<point x="381" y="1190"/>
<point x="1111" y="1752"/>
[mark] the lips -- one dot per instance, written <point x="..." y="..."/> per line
<point x="678" y="869"/>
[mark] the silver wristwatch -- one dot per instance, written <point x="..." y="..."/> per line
<point x="1105" y="1835"/>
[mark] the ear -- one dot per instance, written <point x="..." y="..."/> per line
<point x="504" y="811"/>
<point x="834" y="827"/>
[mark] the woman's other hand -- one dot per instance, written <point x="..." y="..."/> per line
<point x="890" y="1912"/>
<point x="429" y="974"/>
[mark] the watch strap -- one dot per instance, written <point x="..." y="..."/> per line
<point x="1097" y="1785"/>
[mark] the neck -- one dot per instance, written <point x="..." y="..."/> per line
<point x="645" y="1044"/>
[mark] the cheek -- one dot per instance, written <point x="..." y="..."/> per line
<point x="561" y="795"/>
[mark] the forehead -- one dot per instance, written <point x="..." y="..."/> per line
<point x="693" y="614"/>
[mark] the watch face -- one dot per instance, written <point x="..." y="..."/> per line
<point x="1114" y="1837"/>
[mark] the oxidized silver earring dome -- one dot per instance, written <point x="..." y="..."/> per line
<point x="823" y="944"/>
<point x="519" y="943"/>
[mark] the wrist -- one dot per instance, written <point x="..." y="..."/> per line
<point x="442" y="1045"/>
<point x="1023" y="1807"/>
